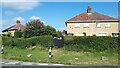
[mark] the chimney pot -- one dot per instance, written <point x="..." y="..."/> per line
<point x="89" y="9"/>
<point x="17" y="21"/>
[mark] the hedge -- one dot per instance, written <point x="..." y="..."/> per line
<point x="71" y="43"/>
<point x="90" y="43"/>
<point x="45" y="41"/>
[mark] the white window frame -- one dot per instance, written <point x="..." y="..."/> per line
<point x="86" y="25"/>
<point x="102" y="34"/>
<point x="98" y="25"/>
<point x="107" y="24"/>
<point x="77" y="25"/>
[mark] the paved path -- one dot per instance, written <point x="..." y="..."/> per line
<point x="5" y="62"/>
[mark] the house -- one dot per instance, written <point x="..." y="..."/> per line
<point x="12" y="29"/>
<point x="92" y="23"/>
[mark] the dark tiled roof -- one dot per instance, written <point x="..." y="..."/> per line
<point x="18" y="26"/>
<point x="7" y="29"/>
<point x="93" y="16"/>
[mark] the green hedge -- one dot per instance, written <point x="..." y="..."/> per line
<point x="45" y="41"/>
<point x="71" y="43"/>
<point x="90" y="43"/>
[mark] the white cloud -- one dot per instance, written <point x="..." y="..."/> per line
<point x="18" y="18"/>
<point x="20" y="4"/>
<point x="63" y="29"/>
<point x="9" y="13"/>
<point x="44" y="22"/>
<point x="34" y="18"/>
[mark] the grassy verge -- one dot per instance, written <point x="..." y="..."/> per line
<point x="40" y="54"/>
<point x="0" y="44"/>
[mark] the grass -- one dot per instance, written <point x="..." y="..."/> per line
<point x="0" y="44"/>
<point x="40" y="54"/>
<point x="0" y="40"/>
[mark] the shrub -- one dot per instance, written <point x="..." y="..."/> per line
<point x="18" y="34"/>
<point x="84" y="33"/>
<point x="90" y="43"/>
<point x="45" y="41"/>
<point x="8" y="34"/>
<point x="6" y="40"/>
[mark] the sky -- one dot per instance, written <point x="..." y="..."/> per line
<point x="51" y="13"/>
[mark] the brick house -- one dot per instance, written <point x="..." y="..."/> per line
<point x="12" y="29"/>
<point x="92" y="23"/>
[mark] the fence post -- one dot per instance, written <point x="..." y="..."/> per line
<point x="50" y="52"/>
<point x="2" y="51"/>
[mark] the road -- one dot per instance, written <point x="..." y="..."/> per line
<point x="5" y="62"/>
<point x="20" y="64"/>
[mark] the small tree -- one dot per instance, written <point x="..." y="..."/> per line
<point x="59" y="33"/>
<point x="33" y="28"/>
<point x="18" y="34"/>
<point x="8" y="34"/>
<point x="84" y="33"/>
<point x="37" y="24"/>
<point x="49" y="30"/>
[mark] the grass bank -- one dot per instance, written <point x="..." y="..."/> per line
<point x="40" y="54"/>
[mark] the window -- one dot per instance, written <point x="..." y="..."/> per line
<point x="77" y="25"/>
<point x="115" y="34"/>
<point x="107" y="24"/>
<point x="97" y="24"/>
<point x="86" y="24"/>
<point x="102" y="34"/>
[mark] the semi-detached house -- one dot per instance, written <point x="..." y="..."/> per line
<point x="92" y="23"/>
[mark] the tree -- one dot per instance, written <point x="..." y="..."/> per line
<point x="59" y="33"/>
<point x="35" y="23"/>
<point x="18" y="34"/>
<point x="37" y="28"/>
<point x="49" y="30"/>
<point x="33" y="28"/>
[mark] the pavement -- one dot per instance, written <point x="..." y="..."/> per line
<point x="5" y="62"/>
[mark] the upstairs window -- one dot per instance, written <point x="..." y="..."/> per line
<point x="77" y="25"/>
<point x="107" y="24"/>
<point x="86" y="25"/>
<point x="98" y="24"/>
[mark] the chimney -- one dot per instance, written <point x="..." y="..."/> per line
<point x="17" y="21"/>
<point x="89" y="9"/>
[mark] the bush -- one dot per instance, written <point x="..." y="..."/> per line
<point x="8" y="34"/>
<point x="45" y="41"/>
<point x="18" y="34"/>
<point x="90" y="43"/>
